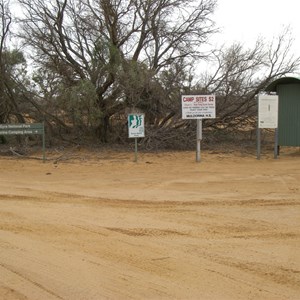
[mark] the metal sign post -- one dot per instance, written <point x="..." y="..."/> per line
<point x="25" y="129"/>
<point x="136" y="129"/>
<point x="276" y="144"/>
<point x="198" y="107"/>
<point x="267" y="118"/>
<point x="135" y="150"/>
<point x="258" y="150"/>
<point x="44" y="142"/>
<point x="199" y="138"/>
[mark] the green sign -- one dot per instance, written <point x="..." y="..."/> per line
<point x="20" y="131"/>
<point x="13" y="129"/>
<point x="24" y="129"/>
<point x="21" y="126"/>
<point x="136" y="127"/>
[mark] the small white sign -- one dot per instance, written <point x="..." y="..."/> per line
<point x="198" y="106"/>
<point x="136" y="125"/>
<point x="267" y="111"/>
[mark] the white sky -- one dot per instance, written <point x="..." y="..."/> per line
<point x="246" y="20"/>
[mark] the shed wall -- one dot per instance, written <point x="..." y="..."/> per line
<point x="289" y="114"/>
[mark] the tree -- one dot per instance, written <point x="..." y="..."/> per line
<point x="12" y="64"/>
<point x="240" y="74"/>
<point x="101" y="41"/>
<point x="235" y="74"/>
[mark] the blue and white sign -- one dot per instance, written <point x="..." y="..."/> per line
<point x="136" y="125"/>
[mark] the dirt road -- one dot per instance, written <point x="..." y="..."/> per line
<point x="103" y="227"/>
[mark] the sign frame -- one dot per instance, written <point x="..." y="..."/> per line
<point x="25" y="129"/>
<point x="268" y="111"/>
<point x="136" y="129"/>
<point x="136" y="125"/>
<point x="198" y="106"/>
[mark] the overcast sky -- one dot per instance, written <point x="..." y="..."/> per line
<point x="245" y="21"/>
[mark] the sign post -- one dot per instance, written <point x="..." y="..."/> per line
<point x="199" y="138"/>
<point x="276" y="149"/>
<point x="267" y="118"/>
<point x="25" y="129"/>
<point x="258" y="148"/>
<point x="136" y="129"/>
<point x="198" y="107"/>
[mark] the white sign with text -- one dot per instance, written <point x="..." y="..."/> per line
<point x="198" y="106"/>
<point x="136" y="125"/>
<point x="267" y="111"/>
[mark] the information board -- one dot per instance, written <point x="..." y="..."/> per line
<point x="268" y="111"/>
<point x="25" y="129"/>
<point x="136" y="125"/>
<point x="198" y="106"/>
<point x="21" y="129"/>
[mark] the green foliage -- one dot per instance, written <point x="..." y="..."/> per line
<point x="79" y="102"/>
<point x="13" y="81"/>
<point x="135" y="80"/>
<point x="13" y="58"/>
<point x="106" y="57"/>
<point x="96" y="60"/>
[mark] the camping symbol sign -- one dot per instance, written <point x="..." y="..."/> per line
<point x="136" y="126"/>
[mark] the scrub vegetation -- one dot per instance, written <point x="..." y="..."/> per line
<point x="81" y="66"/>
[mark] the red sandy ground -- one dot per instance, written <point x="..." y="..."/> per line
<point x="99" y="226"/>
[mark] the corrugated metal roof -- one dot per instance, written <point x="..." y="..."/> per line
<point x="272" y="87"/>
